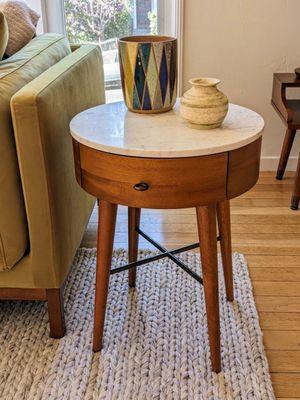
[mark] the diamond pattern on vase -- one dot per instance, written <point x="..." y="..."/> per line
<point x="168" y="51"/>
<point x="163" y="76"/>
<point x="131" y="50"/>
<point x="167" y="99"/>
<point x="146" y="100"/>
<point x="158" y="104"/>
<point x="173" y="73"/>
<point x="139" y="77"/>
<point x="174" y="97"/>
<point x="152" y="76"/>
<point x="127" y="84"/>
<point x="148" y="72"/>
<point x="136" y="102"/>
<point x="158" y="51"/>
<point x="144" y="50"/>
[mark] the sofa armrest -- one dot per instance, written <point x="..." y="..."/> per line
<point x="57" y="208"/>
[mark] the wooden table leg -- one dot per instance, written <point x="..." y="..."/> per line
<point x="206" y="218"/>
<point x="296" y="192"/>
<point x="134" y="215"/>
<point x="285" y="152"/>
<point x="223" y="213"/>
<point x="106" y="231"/>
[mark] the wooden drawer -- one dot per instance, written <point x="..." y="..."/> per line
<point x="243" y="168"/>
<point x="172" y="183"/>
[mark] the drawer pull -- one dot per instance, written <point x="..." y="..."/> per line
<point x="141" y="187"/>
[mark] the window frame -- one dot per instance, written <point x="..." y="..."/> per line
<point x="53" y="17"/>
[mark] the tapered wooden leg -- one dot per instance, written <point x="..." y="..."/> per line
<point x="223" y="213"/>
<point x="296" y="194"/>
<point x="206" y="218"/>
<point x="56" y="312"/>
<point x="106" y="231"/>
<point x="285" y="152"/>
<point x="134" y="215"/>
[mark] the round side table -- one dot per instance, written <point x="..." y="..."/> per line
<point x="157" y="161"/>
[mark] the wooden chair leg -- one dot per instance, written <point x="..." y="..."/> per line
<point x="134" y="215"/>
<point x="56" y="312"/>
<point x="106" y="231"/>
<point x="285" y="152"/>
<point x="223" y="213"/>
<point x="296" y="194"/>
<point x="206" y="218"/>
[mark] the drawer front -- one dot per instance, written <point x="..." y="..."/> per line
<point x="152" y="182"/>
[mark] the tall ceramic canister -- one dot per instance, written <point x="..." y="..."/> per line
<point x="148" y="66"/>
<point x="204" y="106"/>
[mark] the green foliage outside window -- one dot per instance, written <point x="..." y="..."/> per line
<point x="121" y="25"/>
<point x="97" y="20"/>
<point x="152" y="16"/>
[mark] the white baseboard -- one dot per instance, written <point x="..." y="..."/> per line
<point x="271" y="164"/>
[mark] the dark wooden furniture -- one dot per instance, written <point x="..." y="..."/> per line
<point x="54" y="298"/>
<point x="289" y="112"/>
<point x="205" y="182"/>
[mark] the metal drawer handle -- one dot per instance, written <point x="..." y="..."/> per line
<point x="141" y="187"/>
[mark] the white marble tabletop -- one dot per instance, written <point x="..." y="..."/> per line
<point x="114" y="129"/>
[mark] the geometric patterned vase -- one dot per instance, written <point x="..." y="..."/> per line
<point x="148" y="66"/>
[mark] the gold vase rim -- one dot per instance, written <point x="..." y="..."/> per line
<point x="147" y="39"/>
<point x="204" y="81"/>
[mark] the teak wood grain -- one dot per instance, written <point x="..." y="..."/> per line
<point x="107" y="221"/>
<point x="204" y="182"/>
<point x="173" y="183"/>
<point x="56" y="312"/>
<point x="134" y="215"/>
<point x="223" y="213"/>
<point x="243" y="169"/>
<point x="206" y="219"/>
<point x="289" y="112"/>
<point x="271" y="266"/>
<point x="22" y="294"/>
<point x="285" y="152"/>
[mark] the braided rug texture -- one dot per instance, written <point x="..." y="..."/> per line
<point x="155" y="342"/>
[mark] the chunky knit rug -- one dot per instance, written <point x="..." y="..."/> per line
<point x="155" y="343"/>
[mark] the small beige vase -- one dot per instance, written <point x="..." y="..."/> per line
<point x="204" y="106"/>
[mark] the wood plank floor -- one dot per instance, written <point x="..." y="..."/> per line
<point x="268" y="233"/>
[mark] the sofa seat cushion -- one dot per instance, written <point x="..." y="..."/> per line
<point x="15" y="72"/>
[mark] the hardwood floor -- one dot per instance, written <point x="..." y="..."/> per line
<point x="268" y="233"/>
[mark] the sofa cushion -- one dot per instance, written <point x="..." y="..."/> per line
<point x="15" y="72"/>
<point x="3" y="34"/>
<point x="21" y="21"/>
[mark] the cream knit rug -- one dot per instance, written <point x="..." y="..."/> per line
<point x="155" y="342"/>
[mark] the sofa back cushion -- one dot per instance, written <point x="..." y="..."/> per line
<point x="15" y="72"/>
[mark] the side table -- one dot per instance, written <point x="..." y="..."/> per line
<point x="156" y="161"/>
<point x="289" y="112"/>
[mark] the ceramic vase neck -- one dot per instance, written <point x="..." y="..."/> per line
<point x="205" y="90"/>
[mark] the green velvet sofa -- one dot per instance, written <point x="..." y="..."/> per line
<point x="43" y="211"/>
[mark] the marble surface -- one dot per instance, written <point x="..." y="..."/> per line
<point x="114" y="129"/>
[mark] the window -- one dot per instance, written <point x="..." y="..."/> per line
<point x="104" y="21"/>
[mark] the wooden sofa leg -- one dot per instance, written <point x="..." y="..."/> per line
<point x="56" y="313"/>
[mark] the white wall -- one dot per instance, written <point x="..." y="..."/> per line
<point x="243" y="42"/>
